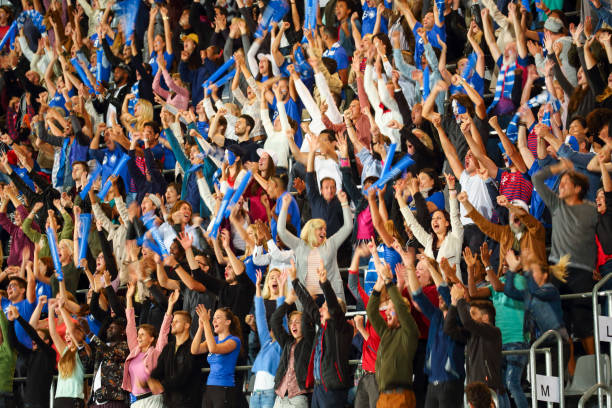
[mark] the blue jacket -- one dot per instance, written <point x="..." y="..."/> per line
<point x="196" y="78"/>
<point x="445" y="357"/>
<point x="269" y="354"/>
<point x="189" y="187"/>
<point x="542" y="303"/>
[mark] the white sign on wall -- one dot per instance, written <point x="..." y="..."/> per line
<point x="605" y="328"/>
<point x="547" y="388"/>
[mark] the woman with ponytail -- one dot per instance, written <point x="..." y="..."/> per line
<point x="541" y="297"/>
<point x="223" y="343"/>
<point x="69" y="392"/>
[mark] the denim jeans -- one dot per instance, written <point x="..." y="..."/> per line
<point x="262" y="399"/>
<point x="512" y="371"/>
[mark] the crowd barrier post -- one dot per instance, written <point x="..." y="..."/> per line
<point x="595" y="296"/>
<point x="533" y="371"/>
<point x="52" y="393"/>
<point x="589" y="393"/>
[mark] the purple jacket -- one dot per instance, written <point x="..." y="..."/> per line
<point x="20" y="240"/>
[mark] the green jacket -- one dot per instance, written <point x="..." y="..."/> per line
<point x="8" y="357"/>
<point x="397" y="345"/>
<point x="35" y="236"/>
<point x="71" y="278"/>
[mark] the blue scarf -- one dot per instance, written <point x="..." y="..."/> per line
<point x="541" y="99"/>
<point x="505" y="81"/>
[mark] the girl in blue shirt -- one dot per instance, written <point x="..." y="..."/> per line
<point x="222" y="342"/>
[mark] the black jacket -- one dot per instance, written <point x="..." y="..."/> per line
<point x="303" y="348"/>
<point x="40" y="362"/>
<point x="484" y="346"/>
<point x="178" y="372"/>
<point x="336" y="339"/>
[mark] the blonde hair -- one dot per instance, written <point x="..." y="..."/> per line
<point x="390" y="227"/>
<point x="265" y="293"/>
<point x="308" y="231"/>
<point x="295" y="313"/>
<point x="67" y="363"/>
<point x="604" y="95"/>
<point x="559" y="270"/>
<point x="68" y="243"/>
<point x="145" y="116"/>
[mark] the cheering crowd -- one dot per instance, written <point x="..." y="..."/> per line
<point x="191" y="187"/>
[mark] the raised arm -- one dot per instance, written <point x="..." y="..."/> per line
<point x="487" y="28"/>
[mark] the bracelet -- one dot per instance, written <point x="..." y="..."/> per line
<point x="488" y="268"/>
<point x="344" y="162"/>
<point x="452" y="189"/>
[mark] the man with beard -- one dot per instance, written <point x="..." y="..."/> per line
<point x="523" y="231"/>
<point x="110" y="102"/>
<point x="236" y="291"/>
<point x="176" y="374"/>
<point x="242" y="131"/>
<point x="108" y="368"/>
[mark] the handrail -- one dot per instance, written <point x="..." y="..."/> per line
<point x="589" y="393"/>
<point x="532" y="367"/>
<point x="594" y="297"/>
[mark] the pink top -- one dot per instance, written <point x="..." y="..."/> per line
<point x="150" y="356"/>
<point x="180" y="99"/>
<point x="138" y="374"/>
<point x="365" y="227"/>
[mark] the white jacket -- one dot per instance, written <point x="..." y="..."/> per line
<point x="451" y="246"/>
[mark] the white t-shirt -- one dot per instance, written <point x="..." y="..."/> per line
<point x="476" y="189"/>
<point x="327" y="168"/>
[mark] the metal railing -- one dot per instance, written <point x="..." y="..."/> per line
<point x="533" y="371"/>
<point x="594" y="299"/>
<point x="589" y="393"/>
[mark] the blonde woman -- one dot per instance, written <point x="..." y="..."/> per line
<point x="69" y="391"/>
<point x="314" y="247"/>
<point x="143" y="113"/>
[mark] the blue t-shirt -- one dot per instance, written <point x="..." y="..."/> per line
<point x="431" y="37"/>
<point x="338" y="54"/>
<point x="293" y="212"/>
<point x="251" y="269"/>
<point x="94" y="324"/>
<point x="223" y="366"/>
<point x="154" y="66"/>
<point x="25" y="310"/>
<point x="437" y="198"/>
<point x="388" y="256"/>
<point x="58" y="100"/>
<point x="475" y="81"/>
<point x="368" y="19"/>
<point x="43" y="289"/>
<point x="109" y="159"/>
<point x="294" y="112"/>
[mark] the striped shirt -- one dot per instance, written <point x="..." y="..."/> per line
<point x="514" y="185"/>
<point x="312" y="277"/>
